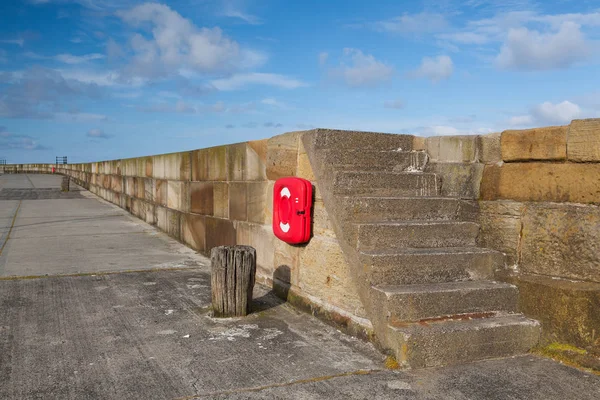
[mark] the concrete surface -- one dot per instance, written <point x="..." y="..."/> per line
<point x="149" y="334"/>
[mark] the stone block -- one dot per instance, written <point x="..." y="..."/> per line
<point x="282" y="155"/>
<point x="168" y="221"/>
<point x="561" y="240"/>
<point x="419" y="143"/>
<point x="236" y="161"/>
<point x="255" y="167"/>
<point x="453" y="148"/>
<point x="158" y="167"/>
<point x="178" y="197"/>
<point x="323" y="273"/>
<point x="217" y="163"/>
<point x="549" y="143"/>
<point x="238" y="200"/>
<point x="261" y="238"/>
<point x="260" y="149"/>
<point x="220" y="199"/>
<point x="200" y="165"/>
<point x="116" y="183"/>
<point x="193" y="232"/>
<point x="584" y="140"/>
<point x="219" y="232"/>
<point x="568" y="311"/>
<point x="501" y="227"/>
<point x="177" y="166"/>
<point x="129" y="189"/>
<point x="286" y="262"/>
<point x="160" y="192"/>
<point x="129" y="167"/>
<point x="149" y="189"/>
<point x="257" y="210"/>
<point x="458" y="179"/>
<point x="140" y="187"/>
<point x="148" y="168"/>
<point x="536" y="181"/>
<point x="490" y="150"/>
<point x="304" y="169"/>
<point x="201" y="198"/>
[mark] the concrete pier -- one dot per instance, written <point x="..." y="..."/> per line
<point x="97" y="304"/>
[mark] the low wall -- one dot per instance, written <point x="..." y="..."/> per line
<point x="223" y="196"/>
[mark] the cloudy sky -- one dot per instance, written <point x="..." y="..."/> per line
<point x="105" y="79"/>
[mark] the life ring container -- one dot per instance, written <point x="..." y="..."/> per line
<point x="292" y="204"/>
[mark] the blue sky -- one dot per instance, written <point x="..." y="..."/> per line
<point x="106" y="79"/>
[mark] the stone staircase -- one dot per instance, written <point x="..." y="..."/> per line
<point x="426" y="285"/>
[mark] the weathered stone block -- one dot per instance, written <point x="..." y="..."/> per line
<point x="149" y="166"/>
<point x="168" y="221"/>
<point x="501" y="227"/>
<point x="200" y="165"/>
<point x="219" y="232"/>
<point x="140" y="187"/>
<point x="549" y="143"/>
<point x="149" y="189"/>
<point x="324" y="273"/>
<point x="202" y="198"/>
<point x="177" y="166"/>
<point x="584" y="140"/>
<point x="193" y="231"/>
<point x="322" y="225"/>
<point x="158" y="167"/>
<point x="489" y="148"/>
<point x="286" y="262"/>
<point x="178" y="197"/>
<point x="257" y="202"/>
<point x="238" y="200"/>
<point x="160" y="192"/>
<point x="568" y="311"/>
<point x="561" y="240"/>
<point x="116" y="183"/>
<point x="452" y="148"/>
<point x="261" y="238"/>
<point x="282" y="155"/>
<point x="458" y="179"/>
<point x="220" y="199"/>
<point x="217" y="163"/>
<point x="419" y="143"/>
<point x="255" y="168"/>
<point x="535" y="181"/>
<point x="304" y="168"/>
<point x="236" y="161"/>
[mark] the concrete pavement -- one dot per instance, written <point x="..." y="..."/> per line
<point x="104" y="332"/>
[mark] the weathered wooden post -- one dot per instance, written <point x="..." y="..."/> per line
<point x="232" y="280"/>
<point x="64" y="185"/>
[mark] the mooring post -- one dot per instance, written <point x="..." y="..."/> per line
<point x="64" y="185"/>
<point x="232" y="280"/>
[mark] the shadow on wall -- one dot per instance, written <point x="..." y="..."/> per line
<point x="279" y="294"/>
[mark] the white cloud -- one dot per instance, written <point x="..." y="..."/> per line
<point x="238" y="81"/>
<point x="525" y="49"/>
<point x="414" y="23"/>
<point x="275" y="103"/>
<point x="79" y="117"/>
<point x="439" y="130"/>
<point x="556" y="113"/>
<point x="362" y="69"/>
<point x="19" y="42"/>
<point x="72" y="59"/>
<point x="465" y="37"/>
<point x="248" y="18"/>
<point x="177" y="43"/>
<point x="397" y="104"/>
<point x="548" y="113"/>
<point x="97" y="134"/>
<point x="435" y="69"/>
<point x="323" y="56"/>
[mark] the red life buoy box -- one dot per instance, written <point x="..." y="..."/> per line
<point x="292" y="203"/>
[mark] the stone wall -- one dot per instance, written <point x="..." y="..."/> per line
<point x="538" y="191"/>
<point x="223" y="196"/>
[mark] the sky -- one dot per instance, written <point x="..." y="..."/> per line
<point x="108" y="79"/>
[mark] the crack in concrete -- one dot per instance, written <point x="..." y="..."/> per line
<point x="278" y="385"/>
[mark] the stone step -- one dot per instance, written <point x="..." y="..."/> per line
<point x="450" y="342"/>
<point x="370" y="209"/>
<point x="425" y="301"/>
<point x="385" y="183"/>
<point x="417" y="234"/>
<point x="415" y="266"/>
<point x="368" y="160"/>
<point x="336" y="139"/>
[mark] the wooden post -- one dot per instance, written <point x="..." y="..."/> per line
<point x="232" y="280"/>
<point x="64" y="185"/>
